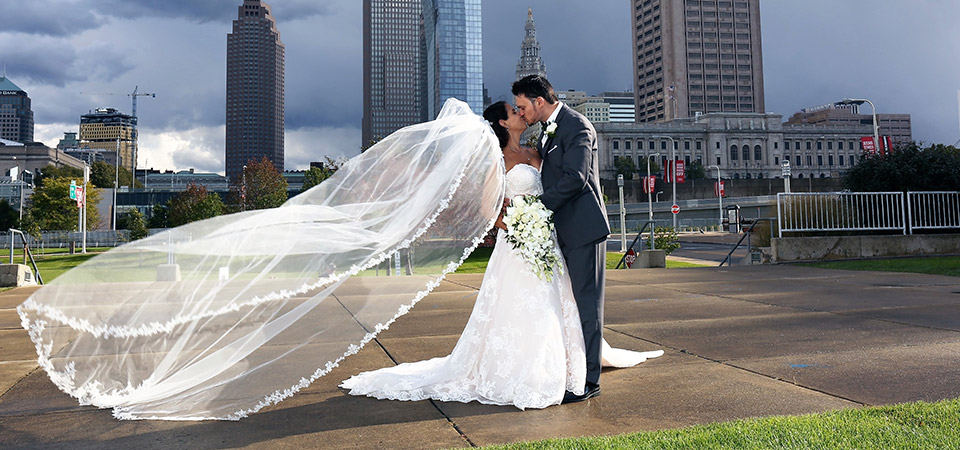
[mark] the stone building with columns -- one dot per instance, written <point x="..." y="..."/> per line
<point x="743" y="145"/>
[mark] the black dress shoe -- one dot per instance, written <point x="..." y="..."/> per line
<point x="589" y="392"/>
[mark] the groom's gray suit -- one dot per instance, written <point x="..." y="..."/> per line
<point x="571" y="183"/>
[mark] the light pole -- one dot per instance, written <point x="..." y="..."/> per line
<point x="876" y="127"/>
<point x="649" y="188"/>
<point x="658" y="196"/>
<point x="116" y="183"/>
<point x="20" y="178"/>
<point x="623" y="216"/>
<point x="673" y="166"/>
<point x="719" y="192"/>
<point x="785" y="173"/>
<point x="243" y="190"/>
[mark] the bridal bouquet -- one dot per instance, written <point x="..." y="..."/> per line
<point x="530" y="231"/>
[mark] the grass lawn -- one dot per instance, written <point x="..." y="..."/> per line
<point x="940" y="265"/>
<point x="905" y="426"/>
<point x="51" y="266"/>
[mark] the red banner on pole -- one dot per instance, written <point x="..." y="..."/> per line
<point x="718" y="189"/>
<point x="648" y="184"/>
<point x="675" y="171"/>
<point x="868" y="145"/>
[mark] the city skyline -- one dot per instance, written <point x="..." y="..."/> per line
<point x="810" y="58"/>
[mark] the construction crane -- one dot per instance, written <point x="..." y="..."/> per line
<point x="136" y="93"/>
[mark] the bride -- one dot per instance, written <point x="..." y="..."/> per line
<point x="523" y="345"/>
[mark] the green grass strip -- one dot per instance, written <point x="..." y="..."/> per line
<point x="936" y="265"/>
<point x="906" y="426"/>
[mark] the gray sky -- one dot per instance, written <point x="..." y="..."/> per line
<point x="902" y="55"/>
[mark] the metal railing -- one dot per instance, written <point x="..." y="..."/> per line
<point x="26" y="252"/>
<point x="749" y="229"/>
<point x="841" y="211"/>
<point x="933" y="210"/>
<point x="653" y="246"/>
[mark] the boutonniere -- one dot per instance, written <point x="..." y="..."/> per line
<point x="551" y="129"/>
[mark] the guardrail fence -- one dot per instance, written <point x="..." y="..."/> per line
<point x="867" y="211"/>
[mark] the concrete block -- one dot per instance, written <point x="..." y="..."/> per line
<point x="16" y="275"/>
<point x="651" y="259"/>
<point x="168" y="272"/>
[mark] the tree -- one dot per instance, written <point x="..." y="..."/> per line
<point x="160" y="217"/>
<point x="52" y="171"/>
<point x="194" y="204"/>
<point x="260" y="187"/>
<point x="317" y="175"/>
<point x="372" y="142"/>
<point x="625" y="166"/>
<point x="102" y="175"/>
<point x="907" y="168"/>
<point x="696" y="171"/>
<point x="54" y="210"/>
<point x="134" y="222"/>
<point x="654" y="166"/>
<point x="9" y="216"/>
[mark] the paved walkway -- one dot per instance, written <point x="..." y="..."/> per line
<point x="740" y="342"/>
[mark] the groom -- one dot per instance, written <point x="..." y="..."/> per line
<point x="571" y="185"/>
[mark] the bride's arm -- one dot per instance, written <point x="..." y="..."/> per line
<point x="499" y="223"/>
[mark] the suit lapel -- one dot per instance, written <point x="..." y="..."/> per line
<point x="544" y="149"/>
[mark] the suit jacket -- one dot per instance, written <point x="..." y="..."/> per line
<point x="571" y="181"/>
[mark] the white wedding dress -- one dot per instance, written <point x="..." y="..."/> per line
<point x="523" y="345"/>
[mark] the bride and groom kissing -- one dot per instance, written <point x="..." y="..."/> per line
<point x="529" y="342"/>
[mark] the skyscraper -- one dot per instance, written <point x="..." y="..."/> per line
<point x="394" y="58"/>
<point x="16" y="117"/>
<point x="530" y="62"/>
<point x="101" y="129"/>
<point x="416" y="55"/>
<point x="452" y="29"/>
<point x="696" y="56"/>
<point x="255" y="89"/>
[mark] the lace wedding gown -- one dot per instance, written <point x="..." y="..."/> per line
<point x="523" y="345"/>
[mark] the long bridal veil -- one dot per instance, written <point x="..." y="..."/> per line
<point x="220" y="318"/>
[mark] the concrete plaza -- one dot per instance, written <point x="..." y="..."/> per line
<point x="742" y="341"/>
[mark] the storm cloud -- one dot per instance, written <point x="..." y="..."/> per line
<point x="899" y="54"/>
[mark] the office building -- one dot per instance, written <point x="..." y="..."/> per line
<point x="743" y="145"/>
<point x="102" y="128"/>
<point x="16" y="117"/>
<point x="622" y="106"/>
<point x="696" y="56"/>
<point x="897" y="126"/>
<point x="530" y="62"/>
<point x="454" y="53"/>
<point x="394" y="61"/>
<point x="255" y="89"/>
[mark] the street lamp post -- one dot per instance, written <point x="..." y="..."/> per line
<point x="719" y="193"/>
<point x="658" y="196"/>
<point x="673" y="166"/>
<point x="243" y="190"/>
<point x="623" y="216"/>
<point x="876" y="127"/>
<point x="649" y="188"/>
<point x="116" y="183"/>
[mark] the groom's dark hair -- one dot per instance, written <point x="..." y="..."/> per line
<point x="533" y="86"/>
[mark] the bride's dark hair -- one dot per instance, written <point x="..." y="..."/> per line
<point x="494" y="114"/>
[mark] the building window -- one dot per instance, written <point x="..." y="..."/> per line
<point x="663" y="145"/>
<point x="809" y="160"/>
<point x="796" y="145"/>
<point x="686" y="145"/>
<point x="819" y="160"/>
<point x="840" y="147"/>
<point x="616" y="145"/>
<point x="798" y="160"/>
<point x="841" y="160"/>
<point x="776" y="160"/>
<point x="699" y="145"/>
<point x="746" y="153"/>
<point x="733" y="153"/>
<point x="809" y="145"/>
<point x="819" y="145"/>
<point x="626" y="145"/>
<point x="757" y="153"/>
<point x="830" y="160"/>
